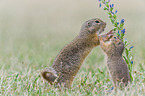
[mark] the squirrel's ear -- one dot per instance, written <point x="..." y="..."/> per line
<point x="49" y="76"/>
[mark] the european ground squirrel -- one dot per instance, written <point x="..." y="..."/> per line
<point x="69" y="60"/>
<point x="113" y="48"/>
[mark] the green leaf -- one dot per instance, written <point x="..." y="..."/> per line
<point x="111" y="9"/>
<point x="112" y="20"/>
<point x="125" y="42"/>
<point x="122" y="35"/>
<point x="109" y="13"/>
<point x="118" y="34"/>
<point x="110" y="16"/>
<point x="129" y="50"/>
<point x="114" y="16"/>
<point x="131" y="76"/>
<point x="126" y="51"/>
<point x="121" y="25"/>
<point x="125" y="59"/>
<point x="115" y="24"/>
<point x="105" y="8"/>
<point x="107" y="5"/>
<point x="114" y="29"/>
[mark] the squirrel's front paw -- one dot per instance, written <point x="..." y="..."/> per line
<point x="110" y="34"/>
<point x="107" y="36"/>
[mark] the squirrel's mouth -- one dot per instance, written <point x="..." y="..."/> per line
<point x="101" y="30"/>
<point x="109" y="35"/>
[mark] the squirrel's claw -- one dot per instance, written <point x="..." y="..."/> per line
<point x="110" y="32"/>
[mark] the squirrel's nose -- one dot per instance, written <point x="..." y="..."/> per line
<point x="104" y="24"/>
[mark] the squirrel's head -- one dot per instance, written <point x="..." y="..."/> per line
<point x="93" y="26"/>
<point x="114" y="46"/>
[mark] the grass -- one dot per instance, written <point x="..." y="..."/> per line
<point x="33" y="32"/>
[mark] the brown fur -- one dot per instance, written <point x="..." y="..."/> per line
<point x="118" y="68"/>
<point x="69" y="60"/>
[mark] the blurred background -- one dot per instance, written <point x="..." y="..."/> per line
<point x="32" y="32"/>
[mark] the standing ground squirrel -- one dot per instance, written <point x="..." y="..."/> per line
<point x="68" y="62"/>
<point x="113" y="49"/>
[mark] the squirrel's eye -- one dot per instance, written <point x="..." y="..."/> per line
<point x="97" y="21"/>
<point x="114" y="37"/>
<point x="89" y="24"/>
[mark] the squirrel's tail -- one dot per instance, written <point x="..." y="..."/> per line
<point x="49" y="75"/>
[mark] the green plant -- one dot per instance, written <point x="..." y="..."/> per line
<point x="119" y="27"/>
